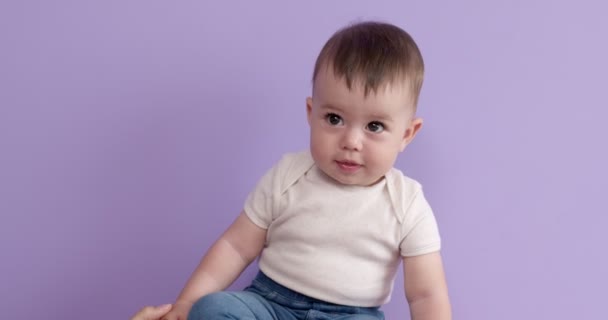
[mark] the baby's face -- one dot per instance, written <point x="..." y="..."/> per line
<point x="356" y="139"/>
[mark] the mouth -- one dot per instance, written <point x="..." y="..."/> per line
<point x="348" y="166"/>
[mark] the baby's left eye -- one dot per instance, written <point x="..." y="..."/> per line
<point x="375" y="127"/>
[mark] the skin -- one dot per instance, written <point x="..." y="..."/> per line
<point x="236" y="248"/>
<point x="355" y="139"/>
<point x="151" y="313"/>
<point x="368" y="133"/>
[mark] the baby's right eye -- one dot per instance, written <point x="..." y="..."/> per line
<point x="333" y="119"/>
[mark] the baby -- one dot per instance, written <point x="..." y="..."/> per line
<point x="331" y="225"/>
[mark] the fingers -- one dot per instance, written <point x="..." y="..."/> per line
<point x="152" y="313"/>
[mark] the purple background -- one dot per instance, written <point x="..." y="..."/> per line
<point x="132" y="131"/>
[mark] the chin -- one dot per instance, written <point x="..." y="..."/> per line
<point x="350" y="182"/>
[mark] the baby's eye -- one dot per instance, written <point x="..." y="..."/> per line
<point x="375" y="126"/>
<point x="334" y="119"/>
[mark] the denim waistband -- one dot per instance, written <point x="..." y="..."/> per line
<point x="298" y="300"/>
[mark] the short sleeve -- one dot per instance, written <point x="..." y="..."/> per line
<point x="260" y="201"/>
<point x="262" y="204"/>
<point x="420" y="234"/>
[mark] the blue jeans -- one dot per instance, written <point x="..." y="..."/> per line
<point x="266" y="299"/>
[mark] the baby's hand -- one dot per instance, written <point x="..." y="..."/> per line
<point x="179" y="311"/>
<point x="151" y="313"/>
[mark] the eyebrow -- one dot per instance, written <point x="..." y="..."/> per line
<point x="331" y="107"/>
<point x="382" y="117"/>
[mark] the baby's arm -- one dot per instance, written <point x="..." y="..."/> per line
<point x="425" y="287"/>
<point x="240" y="244"/>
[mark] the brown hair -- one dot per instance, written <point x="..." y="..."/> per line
<point x="374" y="53"/>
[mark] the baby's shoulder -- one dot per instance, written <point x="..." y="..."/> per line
<point x="406" y="186"/>
<point x="403" y="191"/>
<point x="293" y="160"/>
<point x="291" y="167"/>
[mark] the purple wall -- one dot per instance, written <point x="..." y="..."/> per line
<point x="131" y="132"/>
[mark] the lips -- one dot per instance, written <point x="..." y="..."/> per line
<point x="348" y="166"/>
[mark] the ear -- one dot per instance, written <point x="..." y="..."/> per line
<point x="410" y="132"/>
<point x="309" y="109"/>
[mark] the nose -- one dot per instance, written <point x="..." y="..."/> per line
<point x="352" y="140"/>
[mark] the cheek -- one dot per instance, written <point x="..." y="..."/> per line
<point x="383" y="153"/>
<point x="318" y="140"/>
<point x="324" y="142"/>
<point x="321" y="135"/>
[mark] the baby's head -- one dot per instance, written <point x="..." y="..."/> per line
<point x="366" y="84"/>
